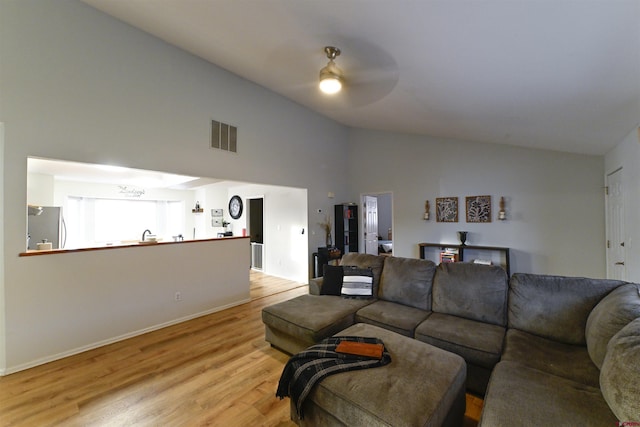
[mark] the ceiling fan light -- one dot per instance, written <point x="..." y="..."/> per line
<point x="330" y="79"/>
<point x="330" y="85"/>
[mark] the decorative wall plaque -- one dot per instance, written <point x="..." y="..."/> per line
<point x="478" y="208"/>
<point x="447" y="209"/>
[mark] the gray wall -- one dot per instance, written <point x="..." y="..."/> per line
<point x="555" y="203"/>
<point x="79" y="85"/>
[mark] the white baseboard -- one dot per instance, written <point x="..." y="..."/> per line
<point x="108" y="341"/>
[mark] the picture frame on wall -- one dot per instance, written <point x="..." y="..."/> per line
<point x="478" y="208"/>
<point x="447" y="209"/>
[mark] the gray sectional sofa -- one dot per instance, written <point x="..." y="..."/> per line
<point x="542" y="350"/>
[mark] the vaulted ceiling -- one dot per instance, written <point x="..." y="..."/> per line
<point x="554" y="74"/>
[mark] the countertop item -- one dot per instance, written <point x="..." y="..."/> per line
<point x="45" y="246"/>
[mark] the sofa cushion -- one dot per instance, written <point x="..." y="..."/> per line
<point x="395" y="317"/>
<point x="374" y="262"/>
<point x="612" y="313"/>
<point x="357" y="282"/>
<point x="473" y="291"/>
<point x="332" y="280"/>
<point x="521" y="396"/>
<point x="553" y="357"/>
<point x="620" y="374"/>
<point x="477" y="342"/>
<point x="311" y="318"/>
<point x="407" y="281"/>
<point x="555" y="307"/>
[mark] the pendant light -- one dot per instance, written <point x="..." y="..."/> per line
<point x="331" y="76"/>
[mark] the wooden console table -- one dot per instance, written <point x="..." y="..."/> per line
<point x="462" y="248"/>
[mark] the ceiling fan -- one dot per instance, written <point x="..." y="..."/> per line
<point x="368" y="73"/>
<point x="331" y="76"/>
<point x="365" y="73"/>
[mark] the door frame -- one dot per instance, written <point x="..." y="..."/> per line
<point x="609" y="225"/>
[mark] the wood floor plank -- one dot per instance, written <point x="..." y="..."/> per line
<point x="213" y="370"/>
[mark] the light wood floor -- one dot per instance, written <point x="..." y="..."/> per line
<point x="214" y="370"/>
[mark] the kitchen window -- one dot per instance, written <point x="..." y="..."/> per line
<point x="98" y="222"/>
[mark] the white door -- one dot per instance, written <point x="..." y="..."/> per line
<point x="371" y="225"/>
<point x="615" y="227"/>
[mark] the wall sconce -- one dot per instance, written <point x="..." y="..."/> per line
<point x="426" y="210"/>
<point x="502" y="214"/>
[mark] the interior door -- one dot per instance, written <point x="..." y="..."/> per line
<point x="616" y="268"/>
<point x="371" y="225"/>
<point x="255" y="222"/>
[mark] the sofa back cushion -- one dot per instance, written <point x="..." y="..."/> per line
<point x="374" y="262"/>
<point x="555" y="307"/>
<point x="407" y="281"/>
<point x="473" y="291"/>
<point x="612" y="313"/>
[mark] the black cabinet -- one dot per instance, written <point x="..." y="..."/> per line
<point x="323" y="257"/>
<point x="346" y="219"/>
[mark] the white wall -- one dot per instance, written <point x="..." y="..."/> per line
<point x="79" y="85"/>
<point x="285" y="228"/>
<point x="40" y="189"/>
<point x="214" y="196"/>
<point x="3" y="353"/>
<point x="555" y="204"/>
<point x="286" y="233"/>
<point x="626" y="155"/>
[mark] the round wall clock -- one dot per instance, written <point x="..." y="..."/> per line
<point x="235" y="207"/>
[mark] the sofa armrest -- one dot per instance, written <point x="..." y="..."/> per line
<point x="315" y="285"/>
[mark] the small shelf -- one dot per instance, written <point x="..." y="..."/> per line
<point x="197" y="210"/>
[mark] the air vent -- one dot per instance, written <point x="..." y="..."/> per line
<point x="224" y="136"/>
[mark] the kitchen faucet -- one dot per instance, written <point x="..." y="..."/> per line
<point x="144" y="234"/>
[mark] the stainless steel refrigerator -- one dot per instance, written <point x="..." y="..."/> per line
<point x="48" y="225"/>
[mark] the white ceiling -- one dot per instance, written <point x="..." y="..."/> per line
<point x="116" y="175"/>
<point x="554" y="74"/>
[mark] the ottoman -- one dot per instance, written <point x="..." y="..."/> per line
<point x="422" y="386"/>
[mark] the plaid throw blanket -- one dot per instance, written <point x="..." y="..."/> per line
<point x="308" y="367"/>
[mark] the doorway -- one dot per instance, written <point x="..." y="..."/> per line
<point x="616" y="268"/>
<point x="255" y="221"/>
<point x="377" y="225"/>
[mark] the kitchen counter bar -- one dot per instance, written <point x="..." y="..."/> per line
<point x="123" y="245"/>
<point x="91" y="297"/>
